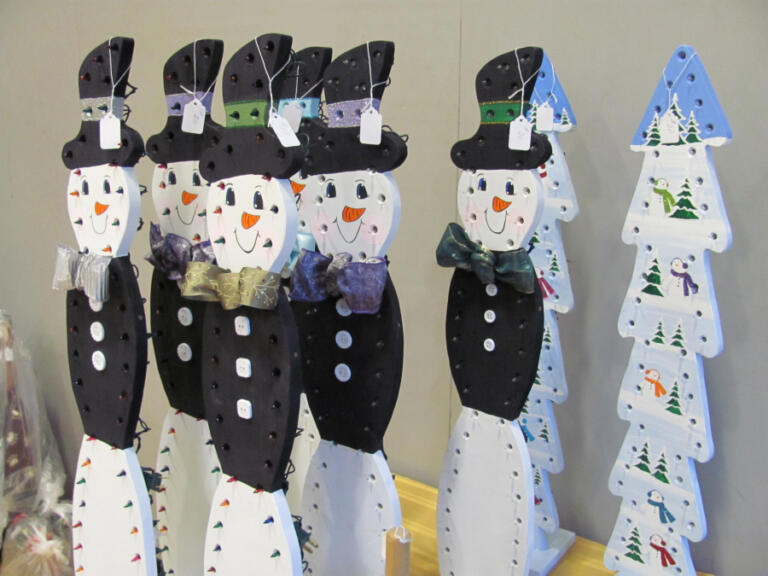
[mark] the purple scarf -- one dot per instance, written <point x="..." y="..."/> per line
<point x="689" y="286"/>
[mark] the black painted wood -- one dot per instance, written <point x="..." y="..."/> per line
<point x="355" y="413"/>
<point x="181" y="380"/>
<point x="109" y="401"/>
<point x="496" y="382"/>
<point x="254" y="451"/>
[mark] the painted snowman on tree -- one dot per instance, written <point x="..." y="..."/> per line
<point x="349" y="317"/>
<point x="107" y="342"/>
<point x="494" y="324"/>
<point x="676" y="216"/>
<point x="186" y="456"/>
<point x="251" y="364"/>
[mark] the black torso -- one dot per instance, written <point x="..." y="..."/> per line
<point x="496" y="382"/>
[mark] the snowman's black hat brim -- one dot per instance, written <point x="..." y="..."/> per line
<point x="175" y="145"/>
<point x="488" y="150"/>
<point x="85" y="150"/>
<point x="250" y="150"/>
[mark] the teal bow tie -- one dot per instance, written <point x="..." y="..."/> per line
<point x="514" y="267"/>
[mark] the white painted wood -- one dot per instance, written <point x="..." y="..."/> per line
<point x="350" y="502"/>
<point x="104" y="205"/>
<point x="485" y="512"/>
<point x="550" y="383"/>
<point x="559" y="190"/>
<point x="190" y="469"/>
<point x="547" y="519"/>
<point x="539" y="428"/>
<point x="553" y="548"/>
<point x="250" y="532"/>
<point x="551" y="265"/>
<point x="304" y="447"/>
<point x="252" y="222"/>
<point x="180" y="196"/>
<point x="357" y="212"/>
<point x="111" y="515"/>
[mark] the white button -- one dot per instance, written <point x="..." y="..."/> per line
<point x="342" y="372"/>
<point x="97" y="331"/>
<point x="342" y="307"/>
<point x="185" y="316"/>
<point x="184" y="352"/>
<point x="243" y="367"/>
<point x="99" y="361"/>
<point x="491" y="289"/>
<point x="244" y="409"/>
<point x="343" y="339"/>
<point x="490" y="316"/>
<point x="489" y="344"/>
<point x="242" y="326"/>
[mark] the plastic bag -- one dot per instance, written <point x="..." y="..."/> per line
<point x="39" y="545"/>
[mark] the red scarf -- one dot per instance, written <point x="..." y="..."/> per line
<point x="546" y="287"/>
<point x="666" y="557"/>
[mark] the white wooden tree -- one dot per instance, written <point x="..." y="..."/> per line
<point x="676" y="216"/>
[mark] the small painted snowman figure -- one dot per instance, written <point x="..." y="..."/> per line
<point x="679" y="283"/>
<point x="494" y="327"/>
<point x="107" y="344"/>
<point x="662" y="201"/>
<point x="251" y="362"/>
<point x="665" y="559"/>
<point x="349" y="319"/>
<point x="186" y="456"/>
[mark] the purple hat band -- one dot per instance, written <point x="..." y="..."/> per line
<point x="347" y="114"/>
<point x="176" y="102"/>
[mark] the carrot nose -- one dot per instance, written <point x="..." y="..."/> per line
<point x="75" y="193"/>
<point x="100" y="208"/>
<point x="296" y="187"/>
<point x="107" y="249"/>
<point x="500" y="205"/>
<point x="187" y="198"/>
<point x="350" y="214"/>
<point x="248" y="220"/>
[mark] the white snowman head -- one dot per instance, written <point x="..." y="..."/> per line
<point x="655" y="496"/>
<point x="356" y="212"/>
<point x="679" y="266"/>
<point x="500" y="208"/>
<point x="180" y="195"/>
<point x="657" y="540"/>
<point x="652" y="374"/>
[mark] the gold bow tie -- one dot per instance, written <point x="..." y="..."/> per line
<point x="250" y="287"/>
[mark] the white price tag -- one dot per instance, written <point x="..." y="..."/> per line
<point x="545" y="118"/>
<point x="292" y="113"/>
<point x="193" y="120"/>
<point x="520" y="134"/>
<point x="109" y="132"/>
<point x="284" y="132"/>
<point x="669" y="128"/>
<point x="370" y="127"/>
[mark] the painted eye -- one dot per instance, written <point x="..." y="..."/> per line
<point x="258" y="202"/>
<point x="230" y="196"/>
<point x="119" y="190"/>
<point x="510" y="189"/>
<point x="481" y="184"/>
<point x="84" y="188"/>
<point x="362" y="193"/>
<point x="330" y="190"/>
<point x="171" y="178"/>
<point x="107" y="187"/>
<point x="196" y="179"/>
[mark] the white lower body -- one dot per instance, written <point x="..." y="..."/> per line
<point x="350" y="502"/>
<point x="485" y="511"/>
<point x="189" y="466"/>
<point x="304" y="447"/>
<point x="111" y="514"/>
<point x="250" y="532"/>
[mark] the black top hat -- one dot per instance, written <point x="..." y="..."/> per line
<point x="352" y="82"/>
<point x="103" y="82"/>
<point x="190" y="73"/>
<point x="247" y="146"/>
<point x="504" y="87"/>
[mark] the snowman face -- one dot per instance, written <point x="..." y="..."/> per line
<point x="251" y="222"/>
<point x="655" y="496"/>
<point x="652" y="374"/>
<point x="356" y="212"/>
<point x="104" y="204"/>
<point x="500" y="208"/>
<point x="679" y="266"/>
<point x="181" y="195"/>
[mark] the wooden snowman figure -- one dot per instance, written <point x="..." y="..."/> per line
<point x="299" y="103"/>
<point x="494" y="324"/>
<point x="107" y="335"/>
<point x="349" y="317"/>
<point x="251" y="362"/>
<point x="186" y="456"/>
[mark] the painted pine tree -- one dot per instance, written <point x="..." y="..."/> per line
<point x="663" y="392"/>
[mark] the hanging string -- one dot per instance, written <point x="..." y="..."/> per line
<point x="370" y="78"/>
<point x="667" y="84"/>
<point x="270" y="78"/>
<point x="525" y="83"/>
<point x="111" y="75"/>
<point x="551" y="93"/>
<point x="193" y="92"/>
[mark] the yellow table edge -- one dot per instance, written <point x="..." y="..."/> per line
<point x="419" y="502"/>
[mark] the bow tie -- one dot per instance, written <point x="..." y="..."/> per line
<point x="514" y="267"/>
<point x="316" y="277"/>
<point x="88" y="273"/>
<point x="252" y="287"/>
<point x="172" y="252"/>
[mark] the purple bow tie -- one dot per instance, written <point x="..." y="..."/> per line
<point x="171" y="253"/>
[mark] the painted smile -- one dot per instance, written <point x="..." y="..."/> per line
<point x="503" y="224"/>
<point x="341" y="232"/>
<point x="253" y="246"/>
<point x="93" y="223"/>
<point x="192" y="219"/>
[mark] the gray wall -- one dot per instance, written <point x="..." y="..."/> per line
<point x="609" y="56"/>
